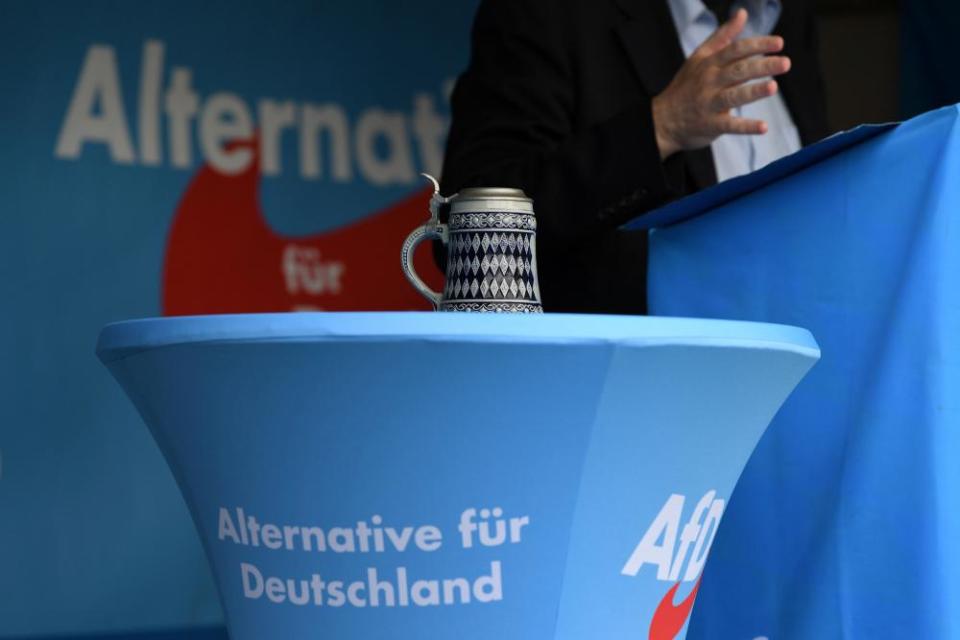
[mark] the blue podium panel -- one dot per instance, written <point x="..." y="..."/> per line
<point x="847" y="519"/>
<point x="437" y="476"/>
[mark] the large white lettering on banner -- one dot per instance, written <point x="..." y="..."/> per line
<point x="97" y="115"/>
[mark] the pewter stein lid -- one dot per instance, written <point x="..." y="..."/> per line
<point x="486" y="199"/>
<point x="500" y="193"/>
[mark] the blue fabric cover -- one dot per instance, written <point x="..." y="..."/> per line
<point x="845" y="523"/>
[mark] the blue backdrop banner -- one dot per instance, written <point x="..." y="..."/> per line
<point x="173" y="158"/>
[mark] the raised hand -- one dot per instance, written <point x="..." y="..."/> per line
<point x="694" y="109"/>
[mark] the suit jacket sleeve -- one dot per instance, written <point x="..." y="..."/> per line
<point x="514" y="125"/>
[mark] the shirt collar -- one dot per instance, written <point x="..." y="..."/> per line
<point x="764" y="14"/>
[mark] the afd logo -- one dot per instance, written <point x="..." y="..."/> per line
<point x="676" y="560"/>
<point x="385" y="147"/>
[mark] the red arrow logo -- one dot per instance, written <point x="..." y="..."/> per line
<point x="223" y="257"/>
<point x="668" y="619"/>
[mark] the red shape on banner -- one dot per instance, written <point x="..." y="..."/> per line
<point x="222" y="257"/>
<point x="668" y="619"/>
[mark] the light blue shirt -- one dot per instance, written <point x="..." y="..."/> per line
<point x="735" y="155"/>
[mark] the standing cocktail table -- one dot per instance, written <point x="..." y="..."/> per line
<point x="413" y="476"/>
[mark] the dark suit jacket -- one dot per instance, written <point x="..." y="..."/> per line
<point x="557" y="101"/>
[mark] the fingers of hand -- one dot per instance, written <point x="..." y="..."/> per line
<point x="744" y="127"/>
<point x="744" y="94"/>
<point x="748" y="47"/>
<point x="752" y="69"/>
<point x="724" y="35"/>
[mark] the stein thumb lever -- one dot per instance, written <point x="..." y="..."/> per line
<point x="436" y="200"/>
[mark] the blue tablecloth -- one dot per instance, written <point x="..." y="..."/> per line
<point x="609" y="443"/>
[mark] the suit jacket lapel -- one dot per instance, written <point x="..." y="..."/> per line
<point x="649" y="27"/>
<point x="801" y="88"/>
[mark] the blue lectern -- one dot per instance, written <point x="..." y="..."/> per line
<point x="846" y="523"/>
<point x="471" y="476"/>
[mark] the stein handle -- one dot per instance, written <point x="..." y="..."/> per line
<point x="426" y="232"/>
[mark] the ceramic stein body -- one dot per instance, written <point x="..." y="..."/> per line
<point x="491" y="248"/>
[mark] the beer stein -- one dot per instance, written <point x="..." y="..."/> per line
<point x="490" y="242"/>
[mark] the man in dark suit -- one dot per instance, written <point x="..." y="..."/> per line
<point x="601" y="110"/>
